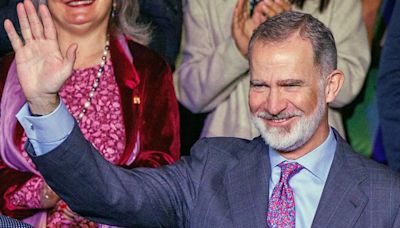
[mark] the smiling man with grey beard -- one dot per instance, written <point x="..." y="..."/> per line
<point x="284" y="138"/>
<point x="302" y="174"/>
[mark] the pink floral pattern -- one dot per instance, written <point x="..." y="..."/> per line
<point x="103" y="125"/>
<point x="281" y="210"/>
<point x="29" y="195"/>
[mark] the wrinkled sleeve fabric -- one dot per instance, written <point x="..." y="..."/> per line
<point x="351" y="39"/>
<point x="211" y="65"/>
<point x="388" y="91"/>
<point x="141" y="197"/>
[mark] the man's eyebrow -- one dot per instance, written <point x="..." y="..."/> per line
<point x="257" y="82"/>
<point x="290" y="82"/>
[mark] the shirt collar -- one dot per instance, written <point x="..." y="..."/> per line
<point x="317" y="162"/>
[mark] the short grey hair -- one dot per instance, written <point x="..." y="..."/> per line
<point x="127" y="12"/>
<point x="279" y="28"/>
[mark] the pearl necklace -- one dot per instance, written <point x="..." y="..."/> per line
<point x="96" y="81"/>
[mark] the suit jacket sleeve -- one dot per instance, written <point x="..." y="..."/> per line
<point x="159" y="125"/>
<point x="212" y="65"/>
<point x="347" y="26"/>
<point x="157" y="119"/>
<point x="109" y="194"/>
<point x="388" y="94"/>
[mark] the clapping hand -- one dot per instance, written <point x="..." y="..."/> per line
<point x="269" y="8"/>
<point x="42" y="68"/>
<point x="243" y="25"/>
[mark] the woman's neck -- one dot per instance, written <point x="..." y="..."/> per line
<point x="90" y="47"/>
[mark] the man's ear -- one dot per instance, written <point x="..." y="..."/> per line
<point x="334" y="82"/>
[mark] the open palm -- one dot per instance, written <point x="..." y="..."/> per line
<point x="41" y="67"/>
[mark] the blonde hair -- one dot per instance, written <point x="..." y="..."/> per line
<point x="125" y="20"/>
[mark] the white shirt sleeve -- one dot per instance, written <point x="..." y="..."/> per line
<point x="46" y="132"/>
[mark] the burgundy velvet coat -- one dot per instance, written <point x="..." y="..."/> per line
<point x="150" y="111"/>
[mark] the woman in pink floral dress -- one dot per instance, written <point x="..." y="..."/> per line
<point x="120" y="93"/>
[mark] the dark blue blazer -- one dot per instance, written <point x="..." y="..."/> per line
<point x="388" y="91"/>
<point x="7" y="222"/>
<point x="224" y="183"/>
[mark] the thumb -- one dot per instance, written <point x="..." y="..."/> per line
<point x="68" y="62"/>
<point x="71" y="55"/>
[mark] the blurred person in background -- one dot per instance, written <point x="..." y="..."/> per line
<point x="116" y="92"/>
<point x="388" y="91"/>
<point x="165" y="18"/>
<point x="7" y="10"/>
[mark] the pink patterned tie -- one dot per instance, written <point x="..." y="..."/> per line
<point x="281" y="210"/>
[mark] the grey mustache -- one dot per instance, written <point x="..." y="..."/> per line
<point x="283" y="115"/>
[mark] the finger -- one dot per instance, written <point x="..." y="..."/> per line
<point x="71" y="53"/>
<point x="275" y="7"/>
<point x="34" y="21"/>
<point x="245" y="7"/>
<point x="241" y="9"/>
<point x="262" y="12"/>
<point x="13" y="36"/>
<point x="240" y="5"/>
<point x="237" y="13"/>
<point x="259" y="18"/>
<point x="24" y="23"/>
<point x="270" y="12"/>
<point x="49" y="28"/>
<point x="284" y="4"/>
<point x="69" y="61"/>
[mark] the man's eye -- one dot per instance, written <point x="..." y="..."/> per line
<point x="254" y="85"/>
<point x="258" y="87"/>
<point x="292" y="86"/>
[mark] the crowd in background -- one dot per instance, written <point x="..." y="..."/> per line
<point x="205" y="63"/>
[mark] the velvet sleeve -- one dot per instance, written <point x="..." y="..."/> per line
<point x="212" y="65"/>
<point x="12" y="181"/>
<point x="159" y="129"/>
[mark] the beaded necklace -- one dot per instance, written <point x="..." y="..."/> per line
<point x="96" y="81"/>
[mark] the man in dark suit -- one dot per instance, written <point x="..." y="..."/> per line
<point x="7" y="222"/>
<point x="299" y="173"/>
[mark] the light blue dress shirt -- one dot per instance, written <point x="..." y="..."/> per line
<point x="308" y="184"/>
<point x="46" y="132"/>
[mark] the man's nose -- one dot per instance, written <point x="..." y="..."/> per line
<point x="275" y="102"/>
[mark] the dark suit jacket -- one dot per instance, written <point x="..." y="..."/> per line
<point x="223" y="184"/>
<point x="7" y="222"/>
<point x="388" y="91"/>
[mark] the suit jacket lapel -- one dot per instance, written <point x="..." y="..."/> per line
<point x="247" y="192"/>
<point x="342" y="202"/>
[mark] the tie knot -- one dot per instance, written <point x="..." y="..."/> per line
<point x="289" y="169"/>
